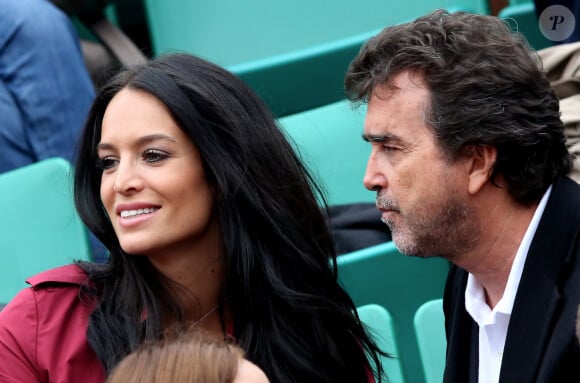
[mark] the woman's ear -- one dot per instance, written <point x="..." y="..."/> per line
<point x="480" y="163"/>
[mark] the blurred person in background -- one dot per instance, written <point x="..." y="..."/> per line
<point x="45" y="87"/>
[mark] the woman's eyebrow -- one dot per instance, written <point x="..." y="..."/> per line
<point x="140" y="141"/>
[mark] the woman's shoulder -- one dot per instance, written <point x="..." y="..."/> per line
<point x="68" y="274"/>
<point x="59" y="285"/>
<point x="54" y="293"/>
<point x="35" y="322"/>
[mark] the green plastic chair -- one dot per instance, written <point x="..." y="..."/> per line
<point x="286" y="81"/>
<point x="522" y="18"/>
<point x="382" y="275"/>
<point x="380" y="324"/>
<point x="429" y="323"/>
<point x="329" y="141"/>
<point x="232" y="32"/>
<point x="293" y="53"/>
<point x="40" y="227"/>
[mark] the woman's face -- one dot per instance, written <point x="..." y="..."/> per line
<point x="153" y="185"/>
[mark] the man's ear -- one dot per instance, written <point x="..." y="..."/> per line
<point x="480" y="163"/>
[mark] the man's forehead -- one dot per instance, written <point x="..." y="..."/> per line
<point x="404" y="81"/>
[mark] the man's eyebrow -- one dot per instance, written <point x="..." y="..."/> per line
<point x="381" y="138"/>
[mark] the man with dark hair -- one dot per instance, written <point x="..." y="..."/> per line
<point x="469" y="162"/>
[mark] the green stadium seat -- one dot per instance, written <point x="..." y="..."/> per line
<point x="329" y="141"/>
<point x="429" y="323"/>
<point x="382" y="275"/>
<point x="380" y="324"/>
<point x="305" y="79"/>
<point x="294" y="54"/>
<point x="41" y="228"/>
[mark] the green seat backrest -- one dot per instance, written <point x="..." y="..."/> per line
<point x="41" y="228"/>
<point x="329" y="141"/>
<point x="522" y="18"/>
<point x="293" y="53"/>
<point x="304" y="79"/>
<point x="380" y="324"/>
<point x="381" y="275"/>
<point x="429" y="323"/>
<point x="231" y="32"/>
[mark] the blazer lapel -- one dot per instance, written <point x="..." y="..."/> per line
<point x="462" y="332"/>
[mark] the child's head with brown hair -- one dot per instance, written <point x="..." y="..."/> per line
<point x="187" y="357"/>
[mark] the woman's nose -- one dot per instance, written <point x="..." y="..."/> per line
<point x="127" y="179"/>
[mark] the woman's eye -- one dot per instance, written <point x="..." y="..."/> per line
<point x="106" y="163"/>
<point x="154" y="156"/>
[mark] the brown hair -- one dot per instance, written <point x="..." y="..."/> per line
<point x="186" y="357"/>
<point x="487" y="87"/>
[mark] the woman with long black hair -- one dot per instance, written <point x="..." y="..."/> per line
<point x="210" y="218"/>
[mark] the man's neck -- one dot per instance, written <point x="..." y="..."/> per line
<point x="504" y="225"/>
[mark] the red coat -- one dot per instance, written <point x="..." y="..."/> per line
<point x="43" y="332"/>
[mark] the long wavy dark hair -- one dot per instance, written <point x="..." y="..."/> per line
<point x="486" y="87"/>
<point x="290" y="314"/>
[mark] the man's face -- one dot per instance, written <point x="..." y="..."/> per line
<point x="420" y="191"/>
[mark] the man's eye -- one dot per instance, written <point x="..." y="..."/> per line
<point x="106" y="163"/>
<point x="154" y="156"/>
